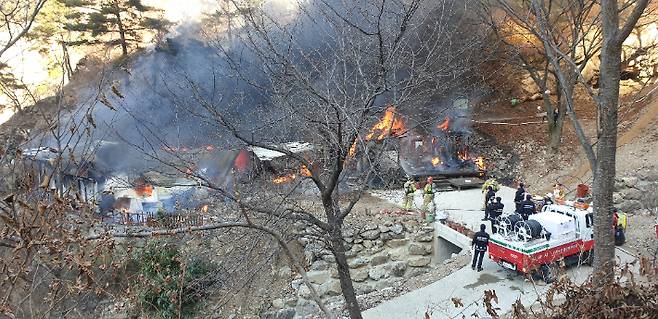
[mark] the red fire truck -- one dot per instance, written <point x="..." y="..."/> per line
<point x="557" y="233"/>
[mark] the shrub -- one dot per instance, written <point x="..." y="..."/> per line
<point x="168" y="284"/>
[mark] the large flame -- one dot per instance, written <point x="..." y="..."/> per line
<point x="352" y="150"/>
<point x="445" y="125"/>
<point x="390" y="124"/>
<point x="284" y="179"/>
<point x="204" y="208"/>
<point x="436" y="161"/>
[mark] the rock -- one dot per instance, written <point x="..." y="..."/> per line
<point x="378" y="273"/>
<point x="379" y="259"/>
<point x="359" y="275"/>
<point x="306" y="308"/>
<point x="398" y="254"/>
<point x="397" y="242"/>
<point x="350" y="254"/>
<point x="358" y="240"/>
<point x="320" y="265"/>
<point x="329" y="258"/>
<point x="413" y="272"/>
<point x="424" y="238"/>
<point x="278" y="303"/>
<point x="379" y="243"/>
<point x="385" y="284"/>
<point x="296" y="283"/>
<point x="419" y="249"/>
<point x="383" y="229"/>
<point x="419" y="261"/>
<point x="367" y="244"/>
<point x="397" y="229"/>
<point x="652" y="176"/>
<point x="363" y="288"/>
<point x="318" y="277"/>
<point x="357" y="248"/>
<point x="370" y="227"/>
<point x="304" y="292"/>
<point x="630" y="181"/>
<point x="330" y="288"/>
<point x="357" y="262"/>
<point x="285" y="272"/>
<point x="631" y="194"/>
<point x="333" y="272"/>
<point x="630" y="205"/>
<point x="287" y="313"/>
<point x="291" y="302"/>
<point x="370" y="234"/>
<point x="616" y="198"/>
<point x="390" y="236"/>
<point x="398" y="268"/>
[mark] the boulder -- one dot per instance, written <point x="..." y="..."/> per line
<point x="630" y="181"/>
<point x="419" y="249"/>
<point x="330" y="288"/>
<point x="318" y="277"/>
<point x="304" y="292"/>
<point x="357" y="262"/>
<point x="370" y="234"/>
<point x="393" y="243"/>
<point x="378" y="273"/>
<point x="398" y="268"/>
<point x="631" y="194"/>
<point x="390" y="236"/>
<point x="420" y="261"/>
<point x="285" y="272"/>
<point x="357" y="248"/>
<point x="288" y="313"/>
<point x="278" y="303"/>
<point x="320" y="265"/>
<point x="630" y="205"/>
<point x="370" y="227"/>
<point x="333" y="272"/>
<point x="413" y="272"/>
<point x="368" y="244"/>
<point x="379" y="259"/>
<point x="359" y="275"/>
<point x="363" y="288"/>
<point x="424" y="237"/>
<point x="398" y="254"/>
<point x="397" y="229"/>
<point x="383" y="229"/>
<point x="306" y="308"/>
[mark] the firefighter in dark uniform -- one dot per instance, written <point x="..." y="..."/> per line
<point x="496" y="211"/>
<point x="480" y="243"/>
<point x="527" y="207"/>
<point x="518" y="197"/>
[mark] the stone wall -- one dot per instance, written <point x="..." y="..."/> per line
<point x="637" y="191"/>
<point x="379" y="256"/>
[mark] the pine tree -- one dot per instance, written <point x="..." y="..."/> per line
<point x="113" y="22"/>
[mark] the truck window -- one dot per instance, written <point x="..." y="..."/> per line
<point x="589" y="220"/>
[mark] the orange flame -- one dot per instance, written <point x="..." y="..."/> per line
<point x="144" y="190"/>
<point x="445" y="125"/>
<point x="204" y="208"/>
<point x="436" y="161"/>
<point x="305" y="171"/>
<point x="390" y="124"/>
<point x="284" y="179"/>
<point x="210" y="148"/>
<point x="352" y="150"/>
<point x="480" y="163"/>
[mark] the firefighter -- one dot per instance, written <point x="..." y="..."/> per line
<point x="559" y="192"/>
<point x="428" y="193"/>
<point x="488" y="209"/>
<point x="409" y="193"/>
<point x="479" y="244"/>
<point x="518" y="197"/>
<point x="527" y="207"/>
<point x="491" y="193"/>
<point x="496" y="210"/>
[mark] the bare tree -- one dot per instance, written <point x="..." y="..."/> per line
<point x="575" y="32"/>
<point x="17" y="19"/>
<point x="567" y="68"/>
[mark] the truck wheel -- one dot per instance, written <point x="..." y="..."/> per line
<point x="547" y="274"/>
